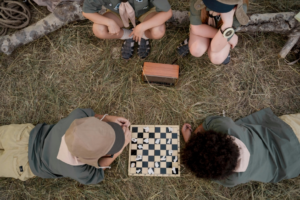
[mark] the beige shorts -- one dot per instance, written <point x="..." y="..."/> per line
<point x="294" y="122"/>
<point x="14" y="140"/>
<point x="141" y="18"/>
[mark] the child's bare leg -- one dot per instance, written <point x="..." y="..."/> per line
<point x="101" y="31"/>
<point x="155" y="32"/>
<point x="219" y="57"/>
<point x="198" y="45"/>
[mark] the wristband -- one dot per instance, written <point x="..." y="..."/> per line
<point x="228" y="33"/>
<point x="103" y="117"/>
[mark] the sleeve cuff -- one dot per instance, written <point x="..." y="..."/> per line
<point x="195" y="20"/>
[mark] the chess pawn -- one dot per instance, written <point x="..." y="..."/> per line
<point x="174" y="170"/>
<point x="134" y="140"/>
<point x="139" y="157"/>
<point x="146" y="140"/>
<point x="150" y="171"/>
<point x="156" y="164"/>
<point x="175" y="159"/>
<point x="146" y="129"/>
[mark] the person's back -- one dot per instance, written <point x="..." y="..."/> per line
<point x="80" y="146"/>
<point x="269" y="150"/>
<point x="44" y="162"/>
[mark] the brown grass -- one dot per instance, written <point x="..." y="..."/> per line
<point x="70" y="68"/>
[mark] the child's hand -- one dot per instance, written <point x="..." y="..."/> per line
<point x="137" y="33"/>
<point x="186" y="131"/>
<point x="234" y="40"/>
<point x="113" y="28"/>
<point x="119" y="120"/>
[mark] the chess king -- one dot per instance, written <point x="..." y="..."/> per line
<point x="260" y="147"/>
<point x="80" y="146"/>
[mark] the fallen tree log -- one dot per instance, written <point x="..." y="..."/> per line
<point x="282" y="23"/>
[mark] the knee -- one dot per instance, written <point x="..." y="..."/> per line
<point x="215" y="59"/>
<point x="99" y="30"/>
<point x="158" y="32"/>
<point x="197" y="50"/>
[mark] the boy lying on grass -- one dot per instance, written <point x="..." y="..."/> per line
<point x="260" y="147"/>
<point x="79" y="146"/>
<point x="114" y="23"/>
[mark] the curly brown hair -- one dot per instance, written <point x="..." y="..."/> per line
<point x="211" y="155"/>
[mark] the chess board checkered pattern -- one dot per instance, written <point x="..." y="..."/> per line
<point x="152" y="152"/>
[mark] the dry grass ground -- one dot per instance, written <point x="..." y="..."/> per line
<point x="70" y="68"/>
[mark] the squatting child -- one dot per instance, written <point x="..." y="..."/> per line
<point x="212" y="29"/>
<point x="114" y="23"/>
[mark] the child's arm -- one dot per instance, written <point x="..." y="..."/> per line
<point x="103" y="162"/>
<point x="113" y="27"/>
<point x="204" y="30"/>
<point x="157" y="20"/>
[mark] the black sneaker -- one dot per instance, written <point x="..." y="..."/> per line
<point x="127" y="49"/>
<point x="227" y="60"/>
<point x="183" y="49"/>
<point x="144" y="48"/>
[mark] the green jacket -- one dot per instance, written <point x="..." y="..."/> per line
<point x="140" y="6"/>
<point x="273" y="146"/>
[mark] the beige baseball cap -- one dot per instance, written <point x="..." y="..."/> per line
<point x="89" y="139"/>
<point x="240" y="14"/>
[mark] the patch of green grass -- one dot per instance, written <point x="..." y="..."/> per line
<point x="70" y="68"/>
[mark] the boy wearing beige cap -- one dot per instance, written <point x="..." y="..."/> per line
<point x="79" y="146"/>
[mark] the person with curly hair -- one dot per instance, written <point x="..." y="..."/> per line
<point x="260" y="147"/>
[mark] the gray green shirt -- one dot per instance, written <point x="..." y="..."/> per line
<point x="44" y="143"/>
<point x="196" y="20"/>
<point x="140" y="6"/>
<point x="273" y="146"/>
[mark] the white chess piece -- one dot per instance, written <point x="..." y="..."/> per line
<point x="132" y="164"/>
<point x="174" y="170"/>
<point x="150" y="171"/>
<point x="170" y="152"/>
<point x="163" y="158"/>
<point x="134" y="140"/>
<point x="170" y="129"/>
<point x="139" y="157"/>
<point x="146" y="140"/>
<point x="169" y="141"/>
<point x="157" y="141"/>
<point x="140" y="146"/>
<point x="156" y="164"/>
<point x="146" y="129"/>
<point x="138" y="171"/>
<point x="175" y="159"/>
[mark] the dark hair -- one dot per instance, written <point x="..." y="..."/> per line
<point x="210" y="155"/>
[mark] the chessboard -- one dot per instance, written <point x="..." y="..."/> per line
<point x="154" y="151"/>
